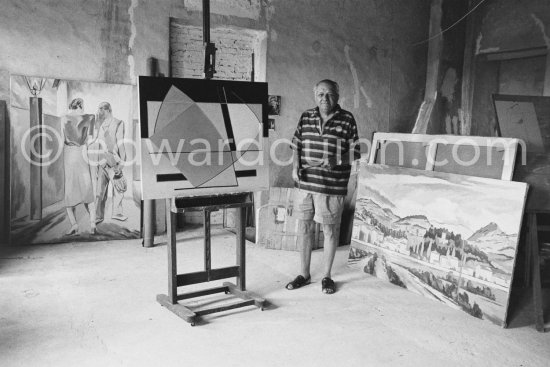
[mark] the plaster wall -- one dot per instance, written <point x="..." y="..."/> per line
<point x="508" y="26"/>
<point x="365" y="45"/>
<point x="512" y="25"/>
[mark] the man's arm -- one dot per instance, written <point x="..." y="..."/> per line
<point x="295" y="165"/>
<point x="120" y="141"/>
<point x="296" y="146"/>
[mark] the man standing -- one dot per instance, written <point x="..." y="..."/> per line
<point x="110" y="137"/>
<point x="322" y="144"/>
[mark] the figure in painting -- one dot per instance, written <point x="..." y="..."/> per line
<point x="77" y="129"/>
<point x="110" y="136"/>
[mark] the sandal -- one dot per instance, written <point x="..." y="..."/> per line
<point x="328" y="286"/>
<point x="298" y="282"/>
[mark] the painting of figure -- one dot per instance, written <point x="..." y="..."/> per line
<point x="444" y="236"/>
<point x="71" y="175"/>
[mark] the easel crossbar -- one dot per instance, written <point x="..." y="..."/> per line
<point x="225" y="308"/>
<point x="207" y="276"/>
<point x="204" y="292"/>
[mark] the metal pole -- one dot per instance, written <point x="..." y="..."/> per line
<point x="206" y="20"/>
<point x="210" y="48"/>
<point x="148" y="223"/>
<point x="35" y="147"/>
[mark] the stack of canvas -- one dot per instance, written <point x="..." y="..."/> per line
<point x="277" y="224"/>
<point x="449" y="237"/>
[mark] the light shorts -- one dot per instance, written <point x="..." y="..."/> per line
<point x="322" y="208"/>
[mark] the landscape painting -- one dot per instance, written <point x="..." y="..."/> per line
<point x="448" y="237"/>
<point x="72" y="151"/>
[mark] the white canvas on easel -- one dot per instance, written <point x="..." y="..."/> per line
<point x="202" y="137"/>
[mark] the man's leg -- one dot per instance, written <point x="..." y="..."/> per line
<point x="328" y="211"/>
<point x="101" y="198"/>
<point x="331" y="234"/>
<point x="303" y="211"/>
<point x="305" y="239"/>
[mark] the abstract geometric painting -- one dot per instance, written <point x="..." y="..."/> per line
<point x="202" y="137"/>
<point x="448" y="237"/>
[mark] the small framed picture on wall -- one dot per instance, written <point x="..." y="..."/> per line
<point x="274" y="105"/>
<point x="271" y="123"/>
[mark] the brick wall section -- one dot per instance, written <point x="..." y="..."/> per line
<point x="233" y="54"/>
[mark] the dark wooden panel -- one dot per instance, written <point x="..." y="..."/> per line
<point x="203" y="276"/>
<point x="225" y="308"/>
<point x="4" y="182"/>
<point x="223" y="273"/>
<point x="204" y="292"/>
<point x="192" y="278"/>
<point x="214" y="201"/>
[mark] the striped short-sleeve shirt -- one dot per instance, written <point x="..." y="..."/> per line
<point x="313" y="146"/>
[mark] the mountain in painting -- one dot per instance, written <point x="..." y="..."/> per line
<point x="382" y="214"/>
<point x="420" y="221"/>
<point x="493" y="240"/>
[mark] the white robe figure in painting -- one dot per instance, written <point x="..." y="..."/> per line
<point x="77" y="129"/>
<point x="110" y="136"/>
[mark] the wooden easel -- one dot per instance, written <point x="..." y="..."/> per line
<point x="175" y="280"/>
<point x="533" y="245"/>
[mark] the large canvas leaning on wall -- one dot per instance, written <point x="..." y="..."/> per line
<point x="448" y="237"/>
<point x="72" y="154"/>
<point x="202" y="137"/>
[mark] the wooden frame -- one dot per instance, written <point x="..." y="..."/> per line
<point x="202" y="137"/>
<point x="4" y="173"/>
<point x="430" y="145"/>
<point x="175" y="280"/>
<point x="534" y="257"/>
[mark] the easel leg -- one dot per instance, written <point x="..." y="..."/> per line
<point x="171" y="250"/>
<point x="207" y="243"/>
<point x="241" y="243"/>
<point x="528" y="271"/>
<point x="535" y="266"/>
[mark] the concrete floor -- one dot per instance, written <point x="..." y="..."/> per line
<point x="93" y="304"/>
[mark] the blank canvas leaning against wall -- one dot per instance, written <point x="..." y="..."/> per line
<point x="441" y="235"/>
<point x="490" y="157"/>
